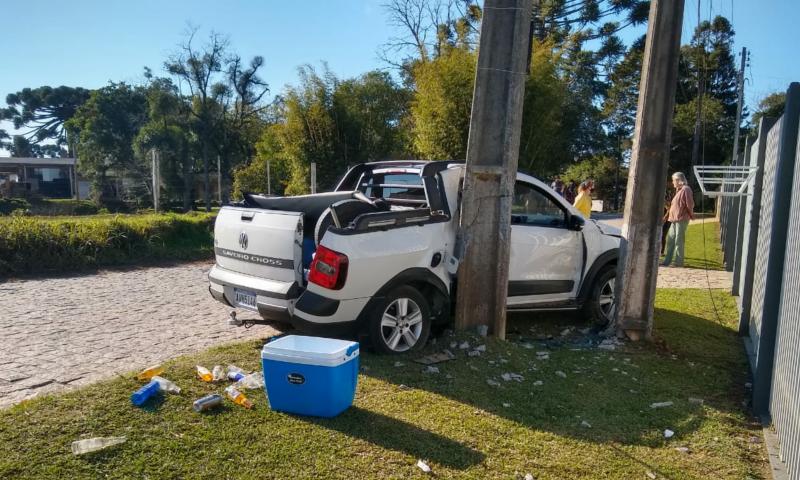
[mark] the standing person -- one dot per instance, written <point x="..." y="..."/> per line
<point x="667" y="223"/>
<point x="583" y="202"/>
<point x="569" y="191"/>
<point x="680" y="212"/>
<point x="557" y="185"/>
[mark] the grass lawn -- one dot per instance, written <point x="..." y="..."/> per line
<point x="699" y="254"/>
<point x="462" y="426"/>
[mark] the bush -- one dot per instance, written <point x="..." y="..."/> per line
<point x="63" y="207"/>
<point x="9" y="205"/>
<point x="36" y="245"/>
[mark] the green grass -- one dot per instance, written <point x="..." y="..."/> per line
<point x="454" y="419"/>
<point x="699" y="254"/>
<point x="34" y="245"/>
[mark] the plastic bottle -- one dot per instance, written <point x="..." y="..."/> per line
<point x="252" y="381"/>
<point x="235" y="373"/>
<point x="207" y="402"/>
<point x="166" y="386"/>
<point x="204" y="374"/>
<point x="150" y="372"/>
<point x="217" y="373"/>
<point x="237" y="397"/>
<point x="143" y="394"/>
<point x="79" y="447"/>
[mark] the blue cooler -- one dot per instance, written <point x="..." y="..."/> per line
<point x="310" y="375"/>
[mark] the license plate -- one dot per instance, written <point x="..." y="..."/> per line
<point x="245" y="299"/>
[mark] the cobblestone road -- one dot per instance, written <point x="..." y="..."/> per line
<point x="60" y="333"/>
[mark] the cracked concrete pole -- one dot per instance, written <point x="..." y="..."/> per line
<point x="644" y="201"/>
<point x="492" y="153"/>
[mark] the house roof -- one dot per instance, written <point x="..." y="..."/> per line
<point x="37" y="162"/>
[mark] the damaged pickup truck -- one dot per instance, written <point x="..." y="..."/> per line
<point x="377" y="256"/>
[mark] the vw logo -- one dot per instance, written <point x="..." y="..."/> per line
<point x="243" y="240"/>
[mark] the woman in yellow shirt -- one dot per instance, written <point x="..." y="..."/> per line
<point x="583" y="202"/>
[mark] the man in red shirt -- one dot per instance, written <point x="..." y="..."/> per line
<point x="680" y="212"/>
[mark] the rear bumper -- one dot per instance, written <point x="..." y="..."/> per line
<point x="273" y="299"/>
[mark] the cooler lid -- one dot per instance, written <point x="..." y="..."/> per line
<point x="310" y="350"/>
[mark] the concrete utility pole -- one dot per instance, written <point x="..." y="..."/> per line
<point x="156" y="179"/>
<point x="219" y="180"/>
<point x="644" y="201"/>
<point x="739" y="102"/>
<point x="492" y="153"/>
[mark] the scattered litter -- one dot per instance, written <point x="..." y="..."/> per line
<point x="404" y="387"/>
<point x="615" y="369"/>
<point x="483" y="330"/>
<point x="668" y="433"/>
<point x="237" y="397"/>
<point x="150" y="372"/>
<point x="235" y="373"/>
<point x="431" y="369"/>
<point x="586" y="424"/>
<point x="512" y="376"/>
<point x="561" y="374"/>
<point x="696" y="401"/>
<point x="682" y="449"/>
<point x="89" y="445"/>
<point x="139" y="397"/>
<point x="755" y="439"/>
<point x="660" y="404"/>
<point x="423" y="466"/>
<point x="528" y="346"/>
<point x="506" y="404"/>
<point x="252" y="381"/>
<point x="566" y="332"/>
<point x="503" y="360"/>
<point x="650" y="475"/>
<point x="609" y="344"/>
<point x="438" y="357"/>
<point x="584" y="331"/>
<point x="166" y="386"/>
<point x="474" y="353"/>
<point x="453" y="344"/>
<point x="492" y="383"/>
<point x="206" y="403"/>
<point x="204" y="374"/>
<point x="538" y="383"/>
<point x="480" y="348"/>
<point x="464" y="345"/>
<point x="542" y="354"/>
<point x="528" y="476"/>
<point x="217" y="373"/>
<point x="399" y="364"/>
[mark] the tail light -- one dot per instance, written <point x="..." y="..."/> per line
<point x="328" y="269"/>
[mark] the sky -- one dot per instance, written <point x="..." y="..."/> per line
<point x="88" y="43"/>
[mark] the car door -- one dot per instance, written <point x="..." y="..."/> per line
<point x="546" y="255"/>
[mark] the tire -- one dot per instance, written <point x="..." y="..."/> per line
<point x="599" y="306"/>
<point x="406" y="337"/>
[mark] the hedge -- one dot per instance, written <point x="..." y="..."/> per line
<point x="33" y="245"/>
<point x="10" y="205"/>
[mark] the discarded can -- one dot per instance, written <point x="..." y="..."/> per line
<point x="206" y="403"/>
<point x="150" y="372"/>
<point x="238" y="397"/>
<point x="143" y="394"/>
<point x="204" y="374"/>
<point x="235" y="373"/>
<point x="217" y="373"/>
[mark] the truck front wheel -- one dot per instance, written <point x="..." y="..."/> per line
<point x="600" y="305"/>
<point x="400" y="322"/>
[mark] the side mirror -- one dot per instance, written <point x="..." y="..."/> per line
<point x="576" y="222"/>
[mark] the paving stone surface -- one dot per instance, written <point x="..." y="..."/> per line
<point x="60" y="333"/>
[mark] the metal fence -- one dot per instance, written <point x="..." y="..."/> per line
<point x="760" y="235"/>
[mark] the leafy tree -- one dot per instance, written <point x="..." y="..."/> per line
<point x="604" y="170"/>
<point x="442" y="103"/>
<point x="106" y="126"/>
<point x="772" y="105"/>
<point x="253" y="176"/>
<point x="43" y="111"/>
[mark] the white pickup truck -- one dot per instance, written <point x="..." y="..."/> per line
<point x="377" y="255"/>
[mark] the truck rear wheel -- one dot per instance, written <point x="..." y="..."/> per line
<point x="400" y="322"/>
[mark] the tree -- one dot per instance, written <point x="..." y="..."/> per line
<point x="105" y="127"/>
<point x="225" y="98"/>
<point x="772" y="105"/>
<point x="441" y="105"/>
<point x="43" y="111"/>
